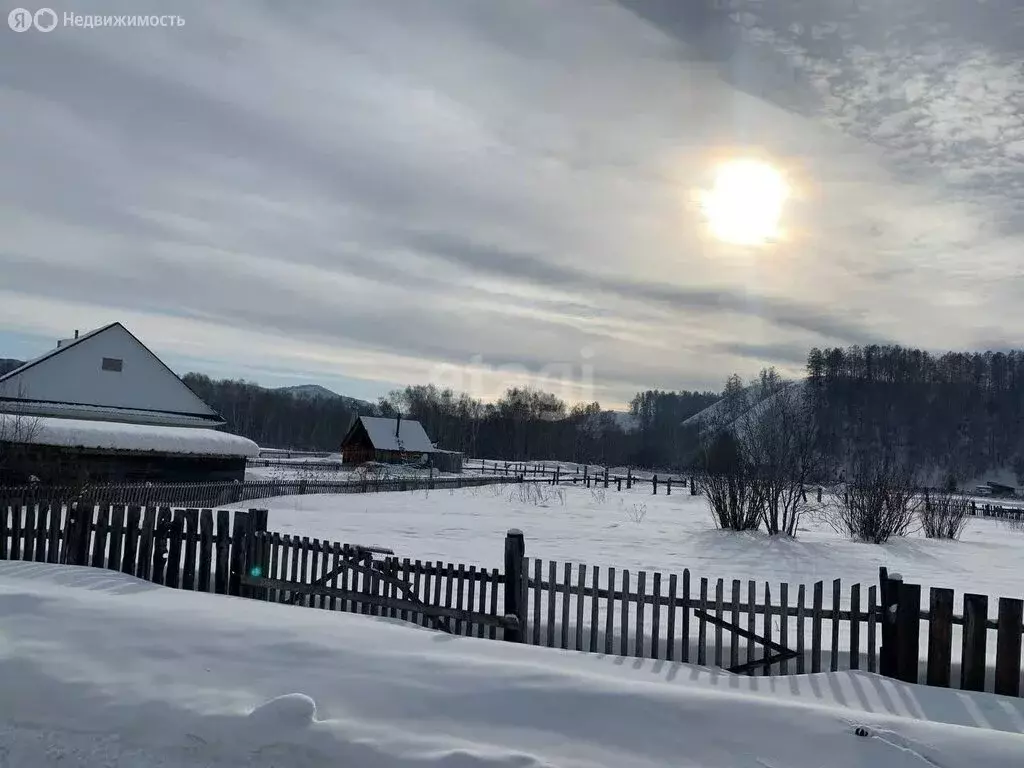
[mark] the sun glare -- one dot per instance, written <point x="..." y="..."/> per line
<point x="744" y="206"/>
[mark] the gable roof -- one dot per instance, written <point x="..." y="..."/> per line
<point x="71" y="381"/>
<point x="61" y="346"/>
<point x="411" y="437"/>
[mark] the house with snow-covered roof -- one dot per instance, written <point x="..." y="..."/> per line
<point x="375" y="438"/>
<point x="103" y="407"/>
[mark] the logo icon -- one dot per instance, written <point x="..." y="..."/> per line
<point x="19" y="20"/>
<point x="45" y="20"/>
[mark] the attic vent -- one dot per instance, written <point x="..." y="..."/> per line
<point x="112" y="364"/>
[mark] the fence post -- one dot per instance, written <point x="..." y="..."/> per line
<point x="668" y="487"/>
<point x="81" y="531"/>
<point x="515" y="605"/>
<point x="889" y="592"/>
<point x="618" y="483"/>
<point x="1008" y="643"/>
<point x="654" y="484"/>
<point x="606" y="477"/>
<point x="239" y="542"/>
<point x="908" y="632"/>
<point x="258" y="519"/>
<point x="693" y="486"/>
<point x="629" y="478"/>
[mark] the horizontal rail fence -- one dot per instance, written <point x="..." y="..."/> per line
<point x="586" y="478"/>
<point x="989" y="647"/>
<point x="742" y="626"/>
<point x="221" y="493"/>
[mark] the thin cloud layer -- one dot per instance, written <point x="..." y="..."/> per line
<point x="481" y="194"/>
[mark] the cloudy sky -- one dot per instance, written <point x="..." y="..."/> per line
<point x="362" y="193"/>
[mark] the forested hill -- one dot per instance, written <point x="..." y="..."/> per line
<point x="279" y="418"/>
<point x="955" y="412"/>
<point x="522" y="424"/>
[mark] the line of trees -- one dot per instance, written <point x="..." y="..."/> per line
<point x="526" y="424"/>
<point x="876" y="426"/>
<point x="522" y="424"/>
<point x="956" y="413"/>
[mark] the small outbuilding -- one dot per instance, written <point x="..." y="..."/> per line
<point x="102" y="407"/>
<point x="375" y="438"/>
<point x="999" y="490"/>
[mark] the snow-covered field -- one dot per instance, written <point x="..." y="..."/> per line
<point x="100" y="669"/>
<point x="640" y="531"/>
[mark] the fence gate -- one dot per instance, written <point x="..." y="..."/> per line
<point x="371" y="580"/>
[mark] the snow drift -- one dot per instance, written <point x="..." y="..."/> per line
<point x="103" y="669"/>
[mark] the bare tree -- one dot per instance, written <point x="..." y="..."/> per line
<point x="17" y="433"/>
<point x="879" y="500"/>
<point x="779" y="439"/>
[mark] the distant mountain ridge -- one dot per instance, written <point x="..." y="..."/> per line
<point x="315" y="391"/>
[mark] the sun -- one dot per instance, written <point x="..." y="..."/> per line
<point x="744" y="205"/>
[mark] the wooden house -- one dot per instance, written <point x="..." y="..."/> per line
<point x="374" y="438"/>
<point x="102" y="407"/>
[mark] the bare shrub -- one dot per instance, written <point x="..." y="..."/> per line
<point x="879" y="500"/>
<point x="373" y="474"/>
<point x="778" y="438"/>
<point x="1014" y="523"/>
<point x="600" y="495"/>
<point x="728" y="483"/>
<point x="636" y="512"/>
<point x="537" y="494"/>
<point x="944" y="514"/>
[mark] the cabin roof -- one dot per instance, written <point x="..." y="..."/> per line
<point x="405" y="435"/>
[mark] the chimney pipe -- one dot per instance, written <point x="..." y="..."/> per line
<point x="398" y="423"/>
<point x="76" y="333"/>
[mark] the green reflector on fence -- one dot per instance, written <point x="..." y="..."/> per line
<point x="255" y="571"/>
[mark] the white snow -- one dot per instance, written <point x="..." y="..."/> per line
<point x="100" y="669"/>
<point x="639" y="531"/>
<point x="112" y="435"/>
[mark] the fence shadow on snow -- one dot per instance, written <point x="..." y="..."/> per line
<point x="748" y="628"/>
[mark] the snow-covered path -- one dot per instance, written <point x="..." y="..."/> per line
<point x="100" y="669"/>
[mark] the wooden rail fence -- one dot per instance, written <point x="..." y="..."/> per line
<point x="586" y="478"/>
<point x="743" y="626"/>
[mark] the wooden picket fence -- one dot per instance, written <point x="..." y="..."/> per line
<point x="222" y="493"/>
<point x="181" y="548"/>
<point x="301" y="463"/>
<point x="902" y="655"/>
<point x="742" y="626"/>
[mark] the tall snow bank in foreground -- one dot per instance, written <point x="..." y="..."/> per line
<point x="116" y="436"/>
<point x="101" y="669"/>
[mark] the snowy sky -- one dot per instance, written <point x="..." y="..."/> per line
<point x="362" y="193"/>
